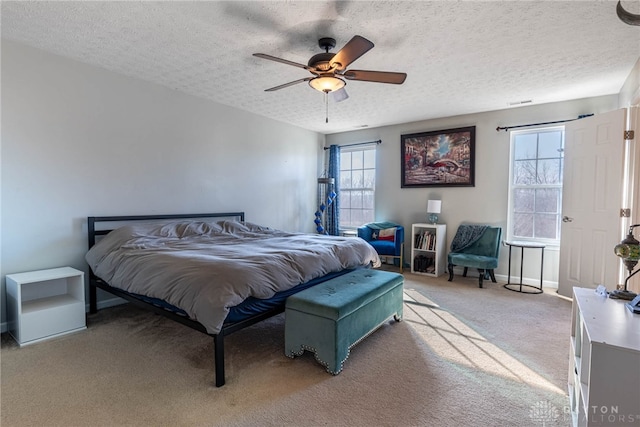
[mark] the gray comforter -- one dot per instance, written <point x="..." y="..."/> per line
<point x="205" y="268"/>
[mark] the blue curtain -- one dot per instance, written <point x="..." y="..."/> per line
<point x="333" y="213"/>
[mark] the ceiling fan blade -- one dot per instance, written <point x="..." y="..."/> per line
<point x="354" y="49"/>
<point x="295" y="82"/>
<point x="284" y="61"/>
<point x="376" y="76"/>
<point x="339" y="95"/>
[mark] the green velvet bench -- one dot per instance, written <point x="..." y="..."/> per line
<point x="330" y="318"/>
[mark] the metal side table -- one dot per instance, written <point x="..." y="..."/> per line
<point x="517" y="287"/>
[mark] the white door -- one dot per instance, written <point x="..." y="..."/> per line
<point x="591" y="200"/>
<point x="634" y="184"/>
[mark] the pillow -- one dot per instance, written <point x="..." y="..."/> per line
<point x="195" y="228"/>
<point x="387" y="234"/>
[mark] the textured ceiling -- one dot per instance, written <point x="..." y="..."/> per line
<point x="461" y="57"/>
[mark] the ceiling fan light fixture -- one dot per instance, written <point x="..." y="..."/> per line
<point x="327" y="84"/>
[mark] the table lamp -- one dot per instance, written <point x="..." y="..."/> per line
<point x="433" y="209"/>
<point x="629" y="251"/>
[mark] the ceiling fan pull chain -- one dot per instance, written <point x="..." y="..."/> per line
<point x="326" y="103"/>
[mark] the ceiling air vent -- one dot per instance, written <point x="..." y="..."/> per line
<point x="527" y="101"/>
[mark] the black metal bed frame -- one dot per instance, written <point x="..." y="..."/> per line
<point x="218" y="339"/>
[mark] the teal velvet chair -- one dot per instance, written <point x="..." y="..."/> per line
<point x="475" y="246"/>
<point x="384" y="246"/>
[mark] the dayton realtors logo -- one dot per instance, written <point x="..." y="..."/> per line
<point x="544" y="413"/>
<point x="611" y="415"/>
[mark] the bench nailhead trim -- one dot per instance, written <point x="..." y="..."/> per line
<point x="304" y="347"/>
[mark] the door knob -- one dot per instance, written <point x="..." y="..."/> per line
<point x="567" y="219"/>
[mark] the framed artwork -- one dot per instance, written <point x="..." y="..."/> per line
<point x="443" y="158"/>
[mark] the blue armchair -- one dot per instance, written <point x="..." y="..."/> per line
<point x="387" y="238"/>
<point x="475" y="246"/>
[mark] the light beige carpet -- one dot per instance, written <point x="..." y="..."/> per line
<point x="463" y="356"/>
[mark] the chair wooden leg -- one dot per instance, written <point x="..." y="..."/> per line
<point x="482" y="274"/>
<point x="493" y="277"/>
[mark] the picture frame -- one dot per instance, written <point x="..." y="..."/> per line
<point x="442" y="158"/>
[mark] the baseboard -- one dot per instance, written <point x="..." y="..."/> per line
<point x="502" y="278"/>
<point x="527" y="281"/>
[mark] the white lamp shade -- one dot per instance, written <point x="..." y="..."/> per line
<point x="434" y="206"/>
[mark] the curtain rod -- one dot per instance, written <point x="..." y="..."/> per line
<point x="359" y="143"/>
<point x="506" y="128"/>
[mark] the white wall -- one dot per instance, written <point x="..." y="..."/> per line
<point x="487" y="201"/>
<point x="79" y="141"/>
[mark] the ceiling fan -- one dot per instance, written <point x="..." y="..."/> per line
<point x="329" y="69"/>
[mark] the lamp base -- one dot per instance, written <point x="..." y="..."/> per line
<point x="622" y="294"/>
<point x="433" y="218"/>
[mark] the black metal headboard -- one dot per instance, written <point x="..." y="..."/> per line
<point x="93" y="220"/>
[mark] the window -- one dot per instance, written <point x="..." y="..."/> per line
<point x="535" y="186"/>
<point x="357" y="185"/>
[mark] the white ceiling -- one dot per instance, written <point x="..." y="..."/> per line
<point x="460" y="56"/>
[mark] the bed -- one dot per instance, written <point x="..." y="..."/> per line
<point x="213" y="272"/>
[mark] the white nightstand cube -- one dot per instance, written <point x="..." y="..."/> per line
<point x="45" y="304"/>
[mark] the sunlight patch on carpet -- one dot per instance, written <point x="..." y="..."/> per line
<point x="456" y="342"/>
